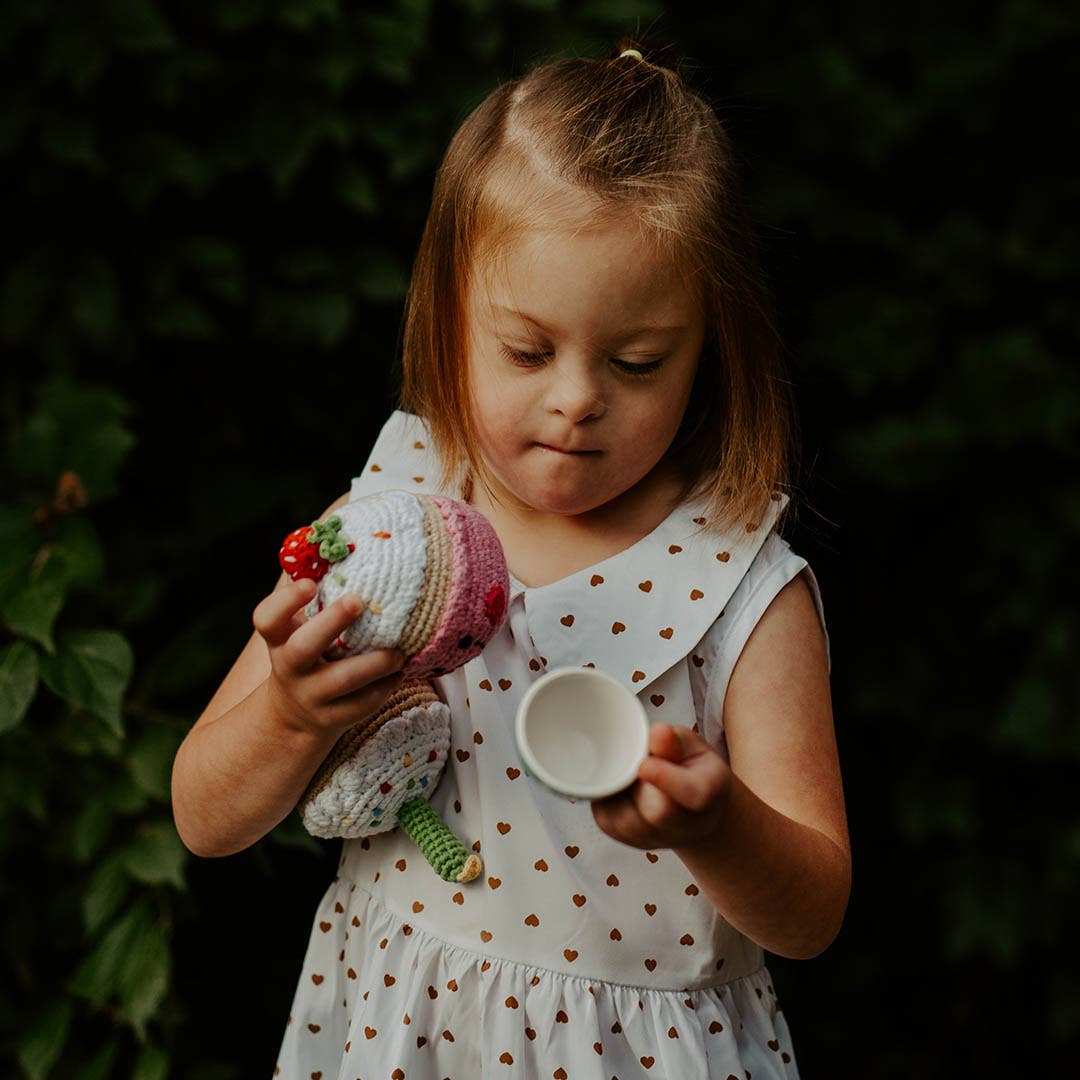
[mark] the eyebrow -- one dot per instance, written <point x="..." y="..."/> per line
<point x="648" y="328"/>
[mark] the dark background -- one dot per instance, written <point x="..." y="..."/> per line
<point x="209" y="218"/>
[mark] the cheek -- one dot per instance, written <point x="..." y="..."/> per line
<point x="661" y="419"/>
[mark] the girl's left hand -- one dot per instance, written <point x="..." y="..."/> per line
<point x="678" y="799"/>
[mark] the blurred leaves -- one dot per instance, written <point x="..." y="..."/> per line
<point x="211" y="219"/>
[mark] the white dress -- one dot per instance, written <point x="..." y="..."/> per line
<point x="573" y="955"/>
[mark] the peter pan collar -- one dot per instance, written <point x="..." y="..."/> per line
<point x="633" y="615"/>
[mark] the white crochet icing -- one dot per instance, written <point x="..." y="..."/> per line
<point x="352" y="804"/>
<point x="386" y="572"/>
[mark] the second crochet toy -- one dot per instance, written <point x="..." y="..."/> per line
<point x="433" y="579"/>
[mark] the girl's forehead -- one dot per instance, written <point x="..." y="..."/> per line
<point x="609" y="263"/>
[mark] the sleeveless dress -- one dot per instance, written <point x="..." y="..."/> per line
<point x="574" y="955"/>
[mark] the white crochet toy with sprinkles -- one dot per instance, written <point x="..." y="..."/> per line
<point x="433" y="578"/>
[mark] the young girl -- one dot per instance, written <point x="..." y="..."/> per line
<point x="587" y="361"/>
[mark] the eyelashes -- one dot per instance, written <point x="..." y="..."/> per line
<point x="531" y="360"/>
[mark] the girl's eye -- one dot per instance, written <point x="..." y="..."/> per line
<point x="528" y="359"/>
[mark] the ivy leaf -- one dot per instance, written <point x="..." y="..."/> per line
<point x="91" y="670"/>
<point x="32" y="609"/>
<point x="78" y="428"/>
<point x="126" y="798"/>
<point x="380" y="278"/>
<point x="84" y="735"/>
<point x="41" y="1044"/>
<point x="108" y="888"/>
<point x="157" y="855"/>
<point x="303" y="13"/>
<point x="100" y="1066"/>
<point x="76" y="546"/>
<point x="18" y="683"/>
<point x="23" y="789"/>
<point x="19" y="541"/>
<point x="132" y="961"/>
<point x="98" y="977"/>
<point x="356" y="189"/>
<point x="138" y="26"/>
<point x="151" y="1064"/>
<point x="144" y="980"/>
<point x="182" y="317"/>
<point x="90" y="828"/>
<point x="150" y="761"/>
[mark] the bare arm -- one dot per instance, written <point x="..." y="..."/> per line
<point x="765" y="837"/>
<point x="247" y="760"/>
<point x="779" y="866"/>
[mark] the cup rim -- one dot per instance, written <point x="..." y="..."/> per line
<point x="587" y="791"/>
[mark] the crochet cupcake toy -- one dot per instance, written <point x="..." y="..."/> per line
<point x="433" y="578"/>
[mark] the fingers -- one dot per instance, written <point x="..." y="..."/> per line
<point x="379" y="670"/>
<point x="694" y="787"/>
<point x="664" y="742"/>
<point x="675" y="742"/>
<point x="305" y="646"/>
<point x="273" y="615"/>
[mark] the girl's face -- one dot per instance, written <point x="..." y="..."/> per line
<point x="581" y="340"/>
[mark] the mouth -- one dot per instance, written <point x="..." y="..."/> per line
<point x="567" y="453"/>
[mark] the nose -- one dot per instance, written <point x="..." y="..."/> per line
<point x="574" y="391"/>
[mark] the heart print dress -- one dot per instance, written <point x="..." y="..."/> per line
<point x="574" y="956"/>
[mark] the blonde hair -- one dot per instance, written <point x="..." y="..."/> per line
<point x="635" y="137"/>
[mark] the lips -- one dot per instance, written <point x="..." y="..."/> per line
<point x="559" y="450"/>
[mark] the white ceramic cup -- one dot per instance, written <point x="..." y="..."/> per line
<point x="582" y="733"/>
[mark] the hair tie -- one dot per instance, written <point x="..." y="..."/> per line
<point x="631" y="52"/>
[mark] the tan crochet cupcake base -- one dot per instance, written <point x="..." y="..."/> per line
<point x="428" y="613"/>
<point x="410" y="693"/>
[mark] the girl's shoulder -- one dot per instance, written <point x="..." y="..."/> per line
<point x="771" y="569"/>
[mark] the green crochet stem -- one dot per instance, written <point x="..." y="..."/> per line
<point x="325" y="533"/>
<point x="446" y="853"/>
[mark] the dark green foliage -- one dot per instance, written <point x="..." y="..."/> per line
<point x="209" y="220"/>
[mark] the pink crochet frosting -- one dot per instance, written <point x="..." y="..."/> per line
<point x="476" y="604"/>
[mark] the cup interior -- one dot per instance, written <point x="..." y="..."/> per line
<point x="585" y="733"/>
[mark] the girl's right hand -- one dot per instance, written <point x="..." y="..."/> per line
<point x="307" y="691"/>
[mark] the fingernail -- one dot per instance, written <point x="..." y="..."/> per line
<point x="353" y="604"/>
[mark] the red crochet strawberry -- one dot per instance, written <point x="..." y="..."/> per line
<point x="308" y="551"/>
